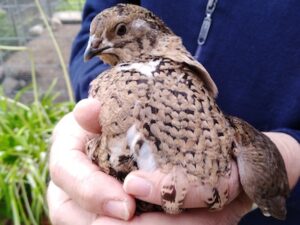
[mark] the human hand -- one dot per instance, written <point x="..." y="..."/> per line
<point x="76" y="194"/>
<point x="232" y="213"/>
<point x="79" y="193"/>
<point x="289" y="149"/>
<point x="229" y="215"/>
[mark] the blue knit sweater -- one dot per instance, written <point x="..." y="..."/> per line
<point x="252" y="53"/>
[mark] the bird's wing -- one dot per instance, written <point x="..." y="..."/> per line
<point x="173" y="49"/>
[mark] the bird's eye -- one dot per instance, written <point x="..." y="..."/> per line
<point x="121" y="29"/>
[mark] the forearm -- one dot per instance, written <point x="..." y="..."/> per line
<point x="290" y="151"/>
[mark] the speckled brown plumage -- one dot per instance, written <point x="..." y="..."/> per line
<point x="158" y="111"/>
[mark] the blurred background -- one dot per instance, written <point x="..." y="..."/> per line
<point x="35" y="44"/>
<point x="21" y="25"/>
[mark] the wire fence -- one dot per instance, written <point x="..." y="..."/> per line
<point x="21" y="25"/>
<point x="18" y="16"/>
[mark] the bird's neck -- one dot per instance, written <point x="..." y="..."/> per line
<point x="167" y="46"/>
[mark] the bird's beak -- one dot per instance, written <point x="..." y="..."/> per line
<point x="91" y="50"/>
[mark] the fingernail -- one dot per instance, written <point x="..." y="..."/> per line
<point x="137" y="186"/>
<point x="117" y="209"/>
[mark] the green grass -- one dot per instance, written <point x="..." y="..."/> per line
<point x="25" y="136"/>
<point x="24" y="142"/>
<point x="70" y="5"/>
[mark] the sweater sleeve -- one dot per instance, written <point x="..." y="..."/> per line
<point x="82" y="73"/>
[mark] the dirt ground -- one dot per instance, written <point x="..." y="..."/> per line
<point x="16" y="72"/>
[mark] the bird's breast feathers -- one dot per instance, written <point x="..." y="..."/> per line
<point x="166" y="116"/>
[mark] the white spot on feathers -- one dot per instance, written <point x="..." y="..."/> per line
<point x="106" y="42"/>
<point x="138" y="23"/>
<point x="145" y="159"/>
<point x="116" y="147"/>
<point x="144" y="156"/>
<point x="146" y="69"/>
<point x="132" y="137"/>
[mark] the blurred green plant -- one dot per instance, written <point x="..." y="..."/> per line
<point x="70" y="5"/>
<point x="24" y="143"/>
<point x="25" y="133"/>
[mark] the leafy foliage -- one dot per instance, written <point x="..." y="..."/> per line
<point x="25" y="134"/>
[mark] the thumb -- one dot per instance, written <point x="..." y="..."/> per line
<point x="147" y="186"/>
<point x="86" y="113"/>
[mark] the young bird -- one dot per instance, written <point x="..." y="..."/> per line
<point x="158" y="111"/>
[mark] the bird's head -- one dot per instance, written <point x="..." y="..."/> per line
<point x="127" y="33"/>
<point x="123" y="33"/>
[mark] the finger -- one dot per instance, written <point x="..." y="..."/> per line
<point x="147" y="186"/>
<point x="68" y="127"/>
<point x="231" y="214"/>
<point x="86" y="113"/>
<point x="90" y="188"/>
<point x="63" y="210"/>
<point x="190" y="218"/>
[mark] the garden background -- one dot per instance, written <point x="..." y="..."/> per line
<point x="35" y="92"/>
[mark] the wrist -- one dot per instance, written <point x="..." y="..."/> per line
<point x="290" y="152"/>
